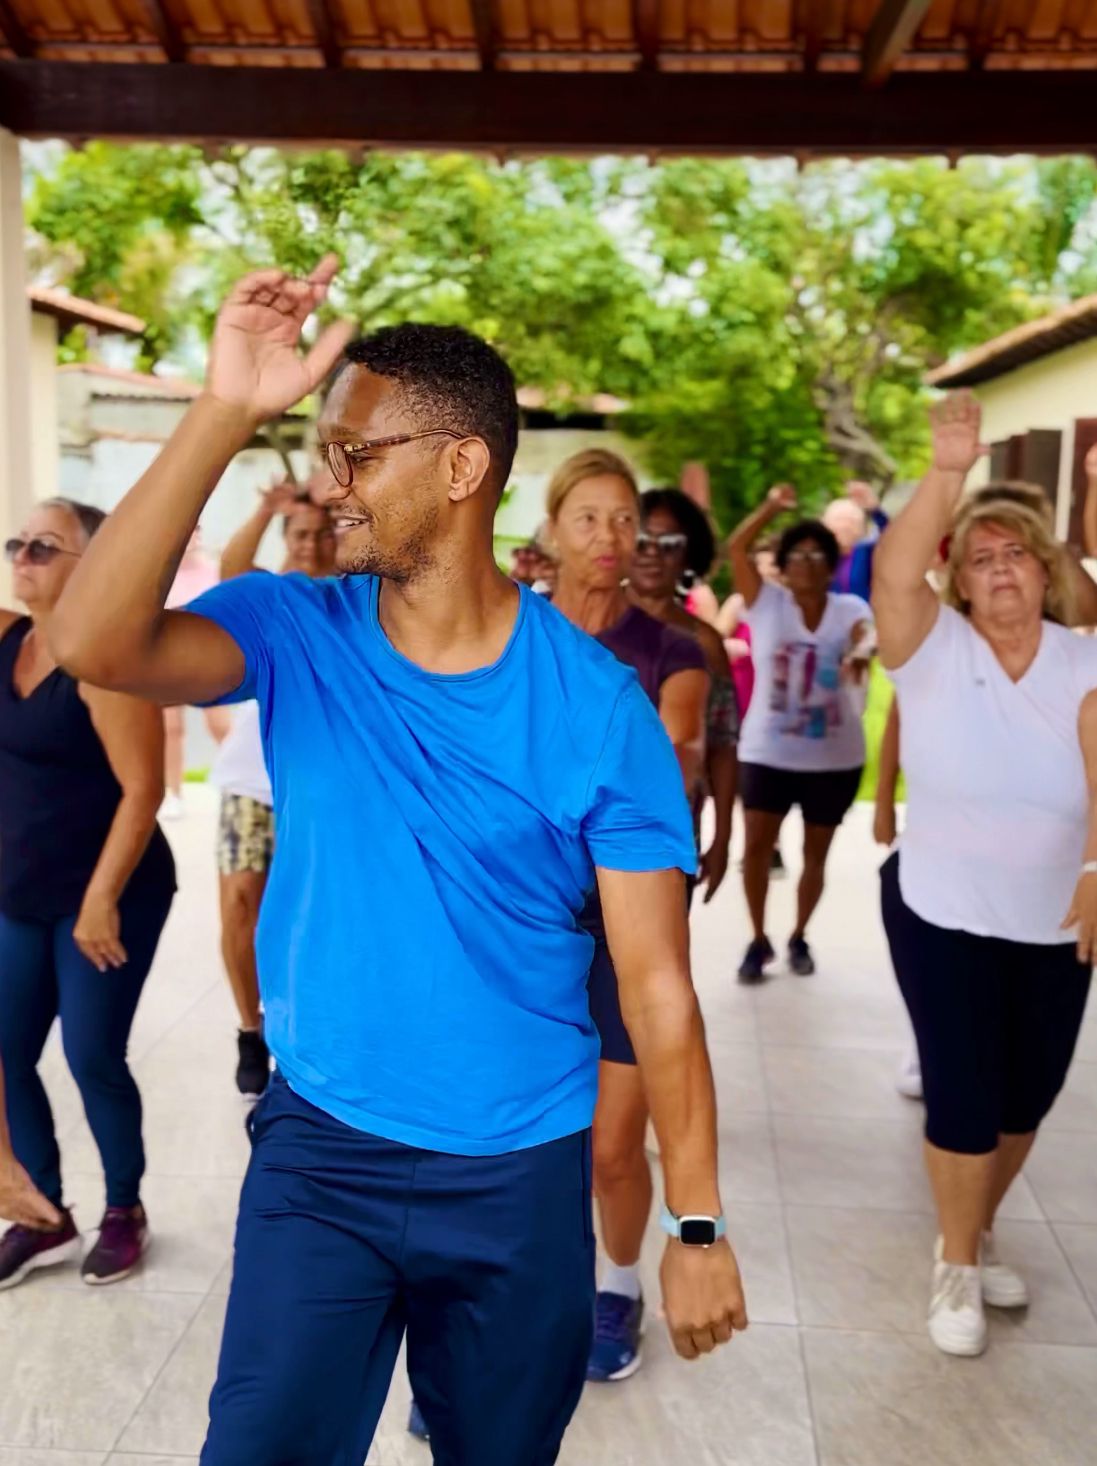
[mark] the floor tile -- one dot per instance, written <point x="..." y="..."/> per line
<point x="1080" y="1245"/>
<point x="106" y="1346"/>
<point x="893" y="1399"/>
<point x="871" y="1164"/>
<point x="869" y="1270"/>
<point x="1063" y="1173"/>
<point x="809" y="1012"/>
<point x="173" y="1415"/>
<point x="21" y="1456"/>
<point x="851" y="1084"/>
<point x="126" y="1459"/>
<point x="747" y="1405"/>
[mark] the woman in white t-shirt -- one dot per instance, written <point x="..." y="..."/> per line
<point x="801" y="742"/>
<point x="990" y="902"/>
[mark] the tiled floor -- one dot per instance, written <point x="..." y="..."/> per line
<point x="823" y="1182"/>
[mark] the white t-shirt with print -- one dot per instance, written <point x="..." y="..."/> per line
<point x="997" y="800"/>
<point x="805" y="713"/>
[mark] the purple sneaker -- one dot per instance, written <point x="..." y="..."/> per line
<point x="22" y="1249"/>
<point x="122" y="1241"/>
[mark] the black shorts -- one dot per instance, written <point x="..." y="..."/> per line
<point x="605" y="1001"/>
<point x="824" y="797"/>
<point x="996" y="1023"/>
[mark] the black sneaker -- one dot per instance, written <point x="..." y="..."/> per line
<point x="758" y="954"/>
<point x="22" y="1249"/>
<point x="800" y="959"/>
<point x="253" y="1070"/>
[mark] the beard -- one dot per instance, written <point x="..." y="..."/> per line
<point x="359" y="553"/>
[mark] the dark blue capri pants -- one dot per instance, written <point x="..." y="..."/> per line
<point x="346" y="1241"/>
<point x="996" y="1023"/>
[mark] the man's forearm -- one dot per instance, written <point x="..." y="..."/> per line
<point x="669" y="1039"/>
<point x="111" y="607"/>
<point x="909" y="544"/>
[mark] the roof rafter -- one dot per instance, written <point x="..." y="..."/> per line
<point x="892" y="30"/>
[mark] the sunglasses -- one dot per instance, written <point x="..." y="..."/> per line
<point x="39" y="552"/>
<point x="805" y="557"/>
<point x="664" y="544"/>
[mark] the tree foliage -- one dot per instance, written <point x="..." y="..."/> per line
<point x="768" y="322"/>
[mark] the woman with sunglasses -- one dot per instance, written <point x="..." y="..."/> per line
<point x="675" y="547"/>
<point x="86" y="882"/>
<point x="593" y="518"/>
<point x="802" y="741"/>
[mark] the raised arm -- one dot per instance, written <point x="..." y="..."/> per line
<point x="238" y="556"/>
<point x="748" y="582"/>
<point x="110" y="627"/>
<point x="906" y="606"/>
<point x="648" y="936"/>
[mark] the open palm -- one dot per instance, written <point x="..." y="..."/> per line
<point x="956" y="424"/>
<point x="255" y="360"/>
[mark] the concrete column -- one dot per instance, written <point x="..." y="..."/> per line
<point x="16" y="490"/>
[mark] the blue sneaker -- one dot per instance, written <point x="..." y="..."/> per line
<point x="615" y="1353"/>
<point x="417" y="1426"/>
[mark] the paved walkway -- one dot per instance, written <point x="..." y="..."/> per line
<point x="822" y="1178"/>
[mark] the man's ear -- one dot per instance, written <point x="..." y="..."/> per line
<point x="470" y="462"/>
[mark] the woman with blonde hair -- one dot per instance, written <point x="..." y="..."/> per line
<point x="593" y="507"/>
<point x="990" y="902"/>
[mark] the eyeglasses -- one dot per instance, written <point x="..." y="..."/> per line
<point x="664" y="544"/>
<point x="342" y="456"/>
<point x="805" y="557"/>
<point x="39" y="552"/>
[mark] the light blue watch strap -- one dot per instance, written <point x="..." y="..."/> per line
<point x="672" y="1225"/>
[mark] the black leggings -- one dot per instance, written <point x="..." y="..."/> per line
<point x="996" y="1023"/>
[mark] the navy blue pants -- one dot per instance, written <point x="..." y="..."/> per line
<point x="346" y="1241"/>
<point x="44" y="975"/>
<point x="996" y="1023"/>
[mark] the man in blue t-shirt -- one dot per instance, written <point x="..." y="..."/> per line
<point x="421" y="1162"/>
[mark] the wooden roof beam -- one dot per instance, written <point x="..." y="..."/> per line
<point x="645" y="25"/>
<point x="891" y="32"/>
<point x="983" y="38"/>
<point x="168" y="35"/>
<point x="14" y="33"/>
<point x="483" y="23"/>
<point x="323" y="28"/>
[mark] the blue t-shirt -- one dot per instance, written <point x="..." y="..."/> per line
<point x="422" y="970"/>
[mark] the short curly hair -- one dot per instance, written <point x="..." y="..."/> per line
<point x="449" y="378"/>
<point x="803" y="532"/>
<point x="691" y="520"/>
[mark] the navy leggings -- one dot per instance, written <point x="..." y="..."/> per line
<point x="996" y="1023"/>
<point x="345" y="1241"/>
<point x="44" y="975"/>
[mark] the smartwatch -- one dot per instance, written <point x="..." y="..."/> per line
<point x="693" y="1231"/>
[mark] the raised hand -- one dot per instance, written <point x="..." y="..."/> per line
<point x="781" y="497"/>
<point x="281" y="498"/>
<point x="255" y="361"/>
<point x="955" y="423"/>
<point x="863" y="495"/>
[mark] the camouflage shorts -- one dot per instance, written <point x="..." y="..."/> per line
<point x="245" y="839"/>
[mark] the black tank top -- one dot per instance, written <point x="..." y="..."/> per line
<point x="58" y="798"/>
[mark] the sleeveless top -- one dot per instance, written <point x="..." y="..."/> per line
<point x="58" y="798"/>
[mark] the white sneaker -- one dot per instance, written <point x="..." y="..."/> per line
<point x="957" y="1324"/>
<point x="173" y="807"/>
<point x="908" y="1081"/>
<point x="1003" y="1287"/>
